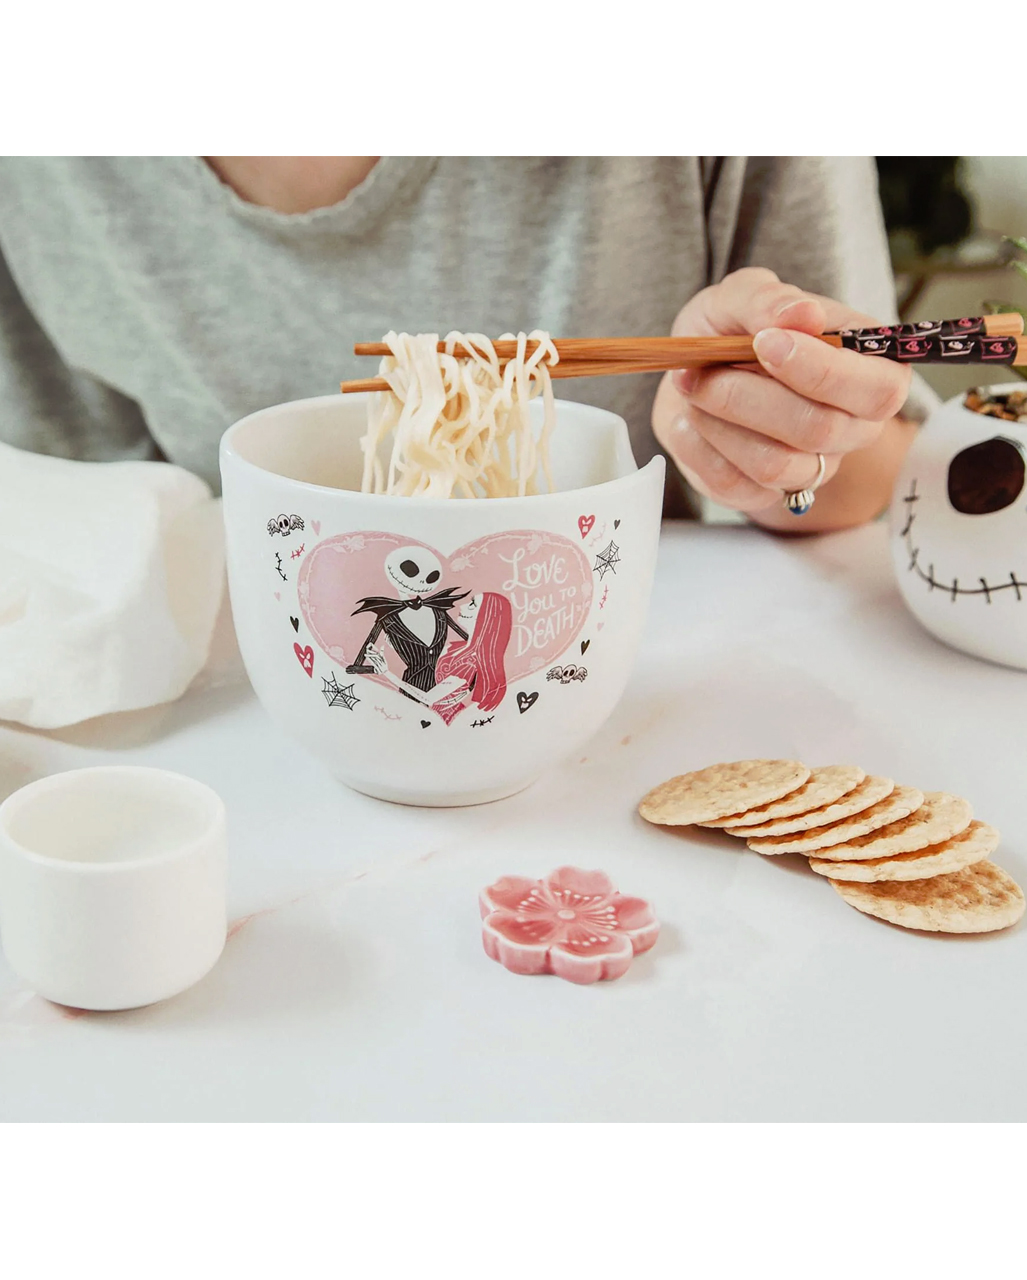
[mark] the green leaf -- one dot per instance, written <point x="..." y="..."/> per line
<point x="992" y="307"/>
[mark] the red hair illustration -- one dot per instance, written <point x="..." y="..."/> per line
<point x="479" y="662"/>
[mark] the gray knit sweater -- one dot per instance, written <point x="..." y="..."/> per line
<point x="144" y="307"/>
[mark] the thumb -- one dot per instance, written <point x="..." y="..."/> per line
<point x="750" y="300"/>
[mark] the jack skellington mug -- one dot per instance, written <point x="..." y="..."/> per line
<point x="959" y="531"/>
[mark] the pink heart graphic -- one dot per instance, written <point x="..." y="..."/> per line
<point x="600" y="625"/>
<point x="306" y="657"/>
<point x="316" y="526"/>
<point x="585" y="524"/>
<point x="278" y="595"/>
<point x="520" y="598"/>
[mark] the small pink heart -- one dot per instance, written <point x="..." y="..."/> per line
<point x="585" y="524"/>
<point x="278" y="595"/>
<point x="316" y="526"/>
<point x="600" y="625"/>
<point x="306" y="657"/>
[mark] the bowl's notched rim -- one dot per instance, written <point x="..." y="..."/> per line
<point x="381" y="501"/>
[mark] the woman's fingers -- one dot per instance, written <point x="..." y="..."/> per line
<point x="864" y="386"/>
<point x="785" y="320"/>
<point x="745" y="434"/>
<point x="769" y="464"/>
<point x="750" y="399"/>
<point x="749" y="300"/>
<point x="753" y="298"/>
<point x="714" y="475"/>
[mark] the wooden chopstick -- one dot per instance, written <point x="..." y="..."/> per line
<point x="583" y="369"/>
<point x="606" y="349"/>
<point x="1008" y="323"/>
<point x="930" y="342"/>
<point x="656" y="359"/>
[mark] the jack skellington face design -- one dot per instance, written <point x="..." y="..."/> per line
<point x="959" y="532"/>
<point x="416" y="622"/>
<point x="987" y="476"/>
<point x="414" y="571"/>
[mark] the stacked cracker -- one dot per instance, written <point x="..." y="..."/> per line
<point x="913" y="858"/>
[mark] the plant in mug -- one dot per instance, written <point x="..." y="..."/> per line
<point x="994" y="307"/>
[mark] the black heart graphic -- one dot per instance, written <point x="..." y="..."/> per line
<point x="585" y="644"/>
<point x="616" y="524"/>
<point x="425" y="724"/>
<point x="526" y="700"/>
<point x="295" y="623"/>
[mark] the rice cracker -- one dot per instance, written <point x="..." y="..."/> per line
<point x="824" y="786"/>
<point x="978" y="899"/>
<point x="977" y="842"/>
<point x="940" y="817"/>
<point x="901" y="802"/>
<point x="862" y="797"/>
<point x="721" y="789"/>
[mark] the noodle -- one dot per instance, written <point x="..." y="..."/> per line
<point x="460" y="425"/>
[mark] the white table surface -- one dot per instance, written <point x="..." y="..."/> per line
<point x="355" y="987"/>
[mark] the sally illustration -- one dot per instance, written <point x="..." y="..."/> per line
<point x="471" y="669"/>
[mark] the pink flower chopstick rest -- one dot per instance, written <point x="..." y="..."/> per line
<point x="572" y="923"/>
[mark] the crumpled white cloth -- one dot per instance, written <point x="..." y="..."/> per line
<point x="111" y="576"/>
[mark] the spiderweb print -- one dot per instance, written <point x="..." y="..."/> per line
<point x="337" y="695"/>
<point x="607" y="560"/>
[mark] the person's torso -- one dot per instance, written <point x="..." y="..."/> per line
<point x="153" y="278"/>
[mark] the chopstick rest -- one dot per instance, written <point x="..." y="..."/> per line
<point x="112" y="885"/>
<point x="572" y="923"/>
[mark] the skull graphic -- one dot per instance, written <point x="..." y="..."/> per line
<point x="414" y="571"/>
<point x="959" y="532"/>
<point x="284" y="524"/>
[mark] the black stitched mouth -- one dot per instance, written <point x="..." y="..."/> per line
<point x="952" y="589"/>
<point x="406" y="585"/>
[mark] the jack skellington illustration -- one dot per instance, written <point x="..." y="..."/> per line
<point x="415" y="621"/>
<point x="472" y="669"/>
<point x="959" y="532"/>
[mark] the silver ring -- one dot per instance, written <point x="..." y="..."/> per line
<point x="799" y="501"/>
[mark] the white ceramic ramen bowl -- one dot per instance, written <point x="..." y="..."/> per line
<point x="959" y="531"/>
<point x="435" y="652"/>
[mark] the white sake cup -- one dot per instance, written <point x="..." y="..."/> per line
<point x="112" y="885"/>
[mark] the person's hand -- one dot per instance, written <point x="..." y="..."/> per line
<point x="742" y="435"/>
<point x="376" y="657"/>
